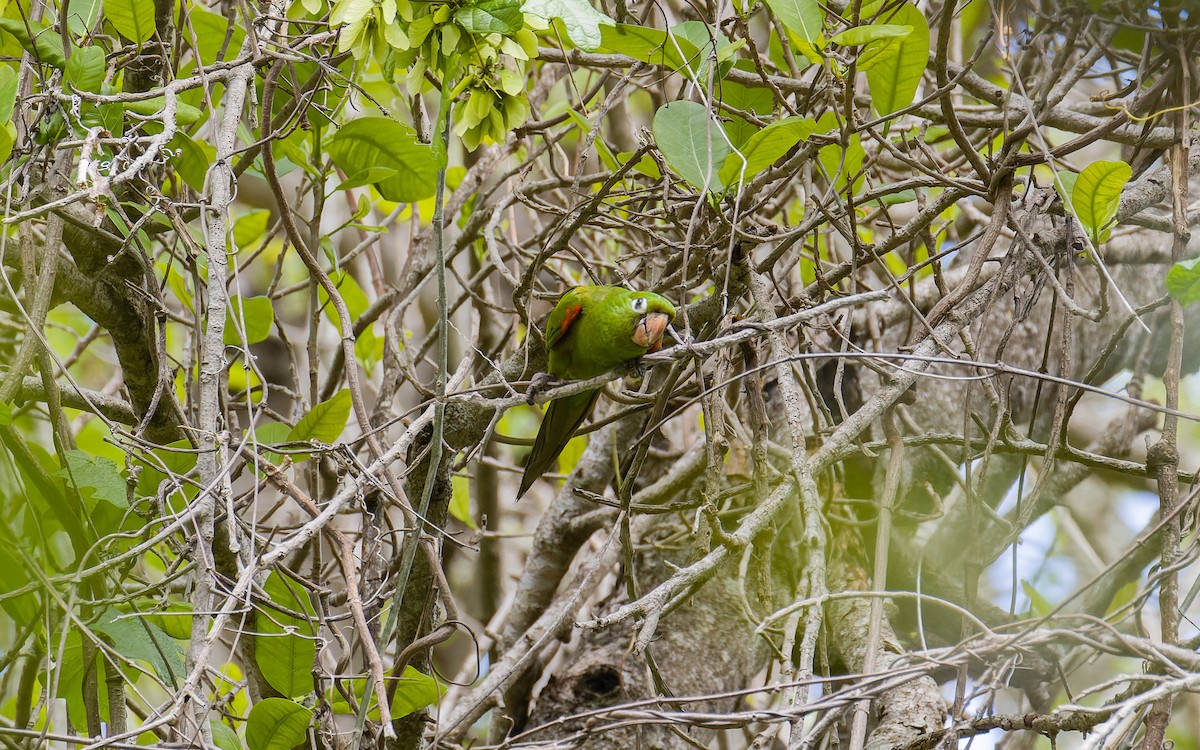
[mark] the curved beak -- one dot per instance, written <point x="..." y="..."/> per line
<point x="649" y="330"/>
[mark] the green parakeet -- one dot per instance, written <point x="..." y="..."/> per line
<point x="591" y="330"/>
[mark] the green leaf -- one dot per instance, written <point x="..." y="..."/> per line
<point x="692" y="143"/>
<point x="460" y="500"/>
<point x="257" y="313"/>
<point x="5" y="414"/>
<point x="894" y="76"/>
<point x="1096" y="195"/>
<point x="46" y="44"/>
<point x="286" y="647"/>
<point x="175" y="620"/>
<point x="191" y="160"/>
<point x="1064" y="185"/>
<point x="85" y="69"/>
<point x="134" y="19"/>
<point x="82" y="16"/>
<point x="185" y="114"/>
<point x="326" y="421"/>
<point x="350" y="292"/>
<point x="757" y="100"/>
<point x="224" y="737"/>
<point x="369" y="176"/>
<point x="1183" y="281"/>
<point x="581" y="20"/>
<point x="97" y="478"/>
<point x="248" y="228"/>
<point x="210" y="29"/>
<point x="178" y="458"/>
<point x="1038" y="604"/>
<point x="765" y="147"/>
<point x="841" y="164"/>
<point x="804" y="18"/>
<point x="859" y="35"/>
<point x="381" y="141"/>
<point x="8" y="92"/>
<point x="6" y="142"/>
<point x="707" y="39"/>
<point x="491" y="17"/>
<point x="650" y="45"/>
<point x="897" y="198"/>
<point x="277" y="724"/>
<point x="136" y="638"/>
<point x="415" y="691"/>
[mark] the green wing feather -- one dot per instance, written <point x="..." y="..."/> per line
<point x="563" y="417"/>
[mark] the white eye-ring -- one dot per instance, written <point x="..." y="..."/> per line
<point x="639" y="305"/>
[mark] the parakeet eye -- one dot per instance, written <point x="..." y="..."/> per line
<point x="640" y="304"/>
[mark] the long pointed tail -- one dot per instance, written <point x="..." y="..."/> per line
<point x="563" y="417"/>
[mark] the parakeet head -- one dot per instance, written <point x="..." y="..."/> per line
<point x="656" y="313"/>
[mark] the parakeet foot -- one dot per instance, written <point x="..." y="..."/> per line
<point x="539" y="383"/>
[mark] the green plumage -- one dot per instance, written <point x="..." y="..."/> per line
<point x="591" y="330"/>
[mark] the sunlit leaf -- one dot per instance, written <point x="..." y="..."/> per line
<point x="692" y="143"/>
<point x="257" y="314"/>
<point x="85" y="69"/>
<point x="326" y="421"/>
<point x="134" y="19"/>
<point x="97" y="478"/>
<point x="581" y="20"/>
<point x="1183" y="281"/>
<point x="1096" y="195"/>
<point x="277" y="724"/>
<point x="382" y="142"/>
<point x="134" y="637"/>
<point x="896" y="74"/>
<point x="765" y="147"/>
<point x="859" y="35"/>
<point x="804" y="18"/>
<point x="491" y="17"/>
<point x="286" y="648"/>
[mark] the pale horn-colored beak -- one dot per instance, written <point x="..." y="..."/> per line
<point x="650" y="328"/>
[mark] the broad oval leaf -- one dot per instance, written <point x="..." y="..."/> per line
<point x="1183" y="281"/>
<point x="382" y="142"/>
<point x="859" y="35"/>
<point x="45" y="44"/>
<point x="8" y="92"/>
<point x="895" y="74"/>
<point x="326" y="420"/>
<point x="277" y="724"/>
<point x="85" y="69"/>
<point x="98" y="478"/>
<point x="134" y="19"/>
<point x="210" y="31"/>
<point x="693" y="144"/>
<point x="581" y="20"/>
<point x="286" y="647"/>
<point x="415" y="691"/>
<point x="224" y="737"/>
<point x="491" y="17"/>
<point x="191" y="160"/>
<point x="1097" y="193"/>
<point x="804" y="18"/>
<point x="257" y="313"/>
<point x="285" y="658"/>
<point x="842" y="164"/>
<point x="1064" y="185"/>
<point x="763" y="148"/>
<point x="136" y="638"/>
<point x="649" y="45"/>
